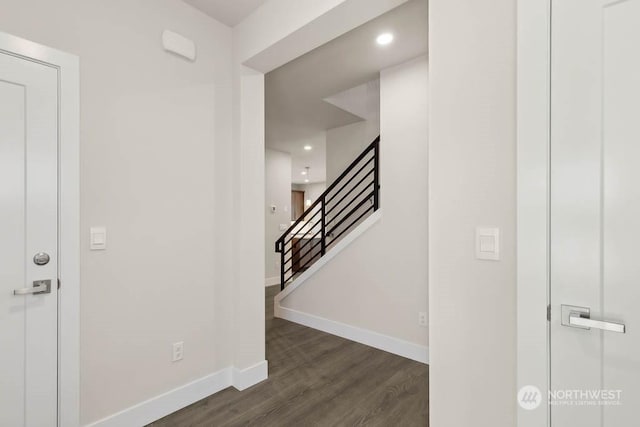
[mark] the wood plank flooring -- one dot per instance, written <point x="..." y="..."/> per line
<point x="317" y="379"/>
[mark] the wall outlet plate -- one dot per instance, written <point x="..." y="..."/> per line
<point x="178" y="351"/>
<point x="423" y="319"/>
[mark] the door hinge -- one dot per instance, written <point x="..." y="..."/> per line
<point x="549" y="313"/>
<point x="58" y="283"/>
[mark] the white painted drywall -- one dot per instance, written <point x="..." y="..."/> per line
<point x="277" y="172"/>
<point x="282" y="30"/>
<point x="379" y="282"/>
<point x="345" y="143"/>
<point x="151" y="125"/>
<point x="472" y="140"/>
<point x="311" y="191"/>
<point x="247" y="178"/>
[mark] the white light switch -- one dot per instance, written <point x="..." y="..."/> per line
<point x="98" y="238"/>
<point x="488" y="243"/>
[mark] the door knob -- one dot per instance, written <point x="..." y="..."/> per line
<point x="580" y="317"/>
<point x="39" y="287"/>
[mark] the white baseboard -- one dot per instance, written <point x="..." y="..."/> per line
<point x="245" y="378"/>
<point x="160" y="406"/>
<point x="407" y="349"/>
<point x="271" y="281"/>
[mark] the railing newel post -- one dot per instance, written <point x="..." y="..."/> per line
<point x="376" y="175"/>
<point x="323" y="234"/>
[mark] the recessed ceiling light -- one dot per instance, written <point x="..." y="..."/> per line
<point x="306" y="180"/>
<point x="308" y="147"/>
<point x="303" y="172"/>
<point x="384" y="39"/>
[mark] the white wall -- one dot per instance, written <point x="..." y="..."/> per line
<point x="379" y="282"/>
<point x="277" y="171"/>
<point x="345" y="143"/>
<point x="311" y="191"/>
<point x="151" y="124"/>
<point x="472" y="183"/>
<point x="282" y="30"/>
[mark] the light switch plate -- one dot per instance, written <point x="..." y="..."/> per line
<point x="98" y="241"/>
<point x="488" y="243"/>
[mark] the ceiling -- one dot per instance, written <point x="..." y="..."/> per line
<point x="229" y="12"/>
<point x="301" y="97"/>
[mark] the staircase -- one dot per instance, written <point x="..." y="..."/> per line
<point x="348" y="201"/>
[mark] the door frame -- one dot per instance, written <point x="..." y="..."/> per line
<point x="533" y="204"/>
<point x="68" y="67"/>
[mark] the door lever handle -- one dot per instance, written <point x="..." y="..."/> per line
<point x="578" y="319"/>
<point x="39" y="287"/>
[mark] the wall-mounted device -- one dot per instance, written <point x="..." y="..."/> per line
<point x="273" y="209"/>
<point x="98" y="240"/>
<point x="178" y="44"/>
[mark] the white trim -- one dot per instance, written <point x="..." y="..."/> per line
<point x="271" y="281"/>
<point x="534" y="23"/>
<point x="160" y="406"/>
<point x="407" y="349"/>
<point x="69" y="218"/>
<point x="339" y="247"/>
<point x="180" y="397"/>
<point x="242" y="379"/>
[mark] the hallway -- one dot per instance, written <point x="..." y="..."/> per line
<point x="317" y="379"/>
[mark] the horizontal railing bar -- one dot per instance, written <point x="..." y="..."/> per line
<point x="309" y="251"/>
<point x="351" y="202"/>
<point x="306" y="243"/>
<point x="351" y="166"/>
<point x="313" y="216"/>
<point x="351" y="191"/>
<point x="298" y="252"/>
<point x="358" y="206"/>
<point x="312" y="237"/>
<point x="349" y="227"/>
<point x="351" y="179"/>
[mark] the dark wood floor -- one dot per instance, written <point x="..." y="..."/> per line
<point x="317" y="379"/>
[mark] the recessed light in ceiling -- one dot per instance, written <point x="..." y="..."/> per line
<point x="308" y="147"/>
<point x="384" y="39"/>
<point x="303" y="172"/>
<point x="306" y="180"/>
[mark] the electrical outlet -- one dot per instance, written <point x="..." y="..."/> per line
<point x="422" y="318"/>
<point x="178" y="351"/>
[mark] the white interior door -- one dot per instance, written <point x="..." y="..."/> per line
<point x="595" y="213"/>
<point x="28" y="226"/>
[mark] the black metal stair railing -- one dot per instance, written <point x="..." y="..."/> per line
<point x="353" y="196"/>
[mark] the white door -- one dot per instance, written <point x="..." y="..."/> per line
<point x="28" y="226"/>
<point x="595" y="213"/>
